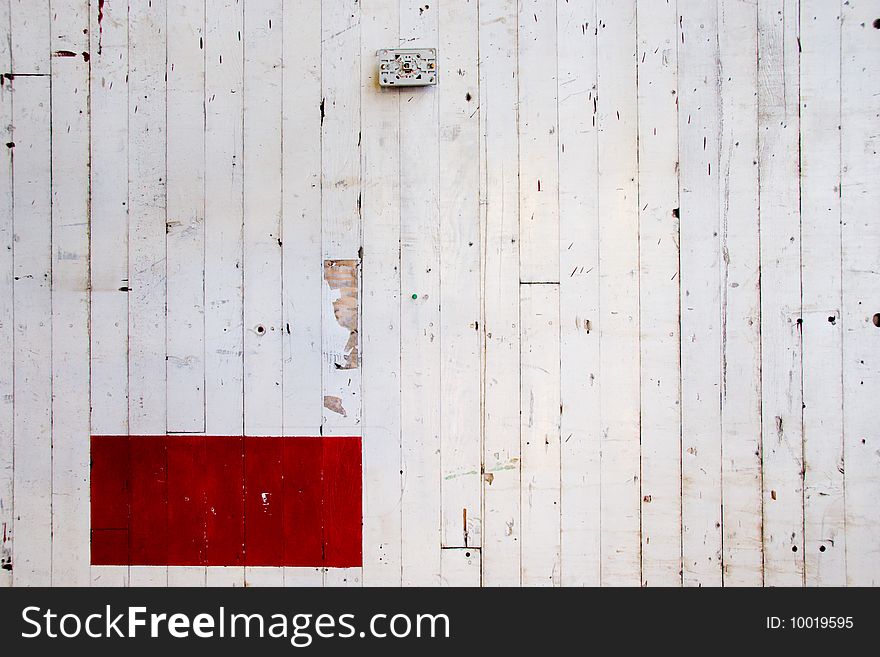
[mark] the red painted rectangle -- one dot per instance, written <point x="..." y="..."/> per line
<point x="226" y="501"/>
<point x="186" y="500"/>
<point x="303" y="539"/>
<point x="342" y="502"/>
<point x="263" y="502"/>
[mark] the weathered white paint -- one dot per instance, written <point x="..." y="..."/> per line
<point x="780" y="234"/>
<point x="580" y="447"/>
<point x="108" y="91"/>
<point x="381" y="294"/>
<point x="658" y="367"/>
<point x="420" y="362"/>
<point x="860" y="169"/>
<point x="262" y="262"/>
<point x="699" y="122"/>
<point x="740" y="298"/>
<point x="659" y="294"/>
<point x="618" y="321"/>
<point x="70" y="302"/>
<point x="7" y="414"/>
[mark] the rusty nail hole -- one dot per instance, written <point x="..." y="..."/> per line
<point x="260" y="329"/>
<point x="876" y="319"/>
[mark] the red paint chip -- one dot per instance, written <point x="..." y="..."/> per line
<point x="226" y="501"/>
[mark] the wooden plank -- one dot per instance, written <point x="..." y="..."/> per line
<point x="578" y="293"/>
<point x="262" y="225"/>
<point x="539" y="434"/>
<point x="499" y="199"/>
<point x="32" y="355"/>
<point x="263" y="504"/>
<point x="146" y="246"/>
<point x="460" y="567"/>
<point x="699" y="135"/>
<point x="341" y="503"/>
<point x="740" y="301"/>
<point x="224" y="218"/>
<point x="70" y="293"/>
<point x="30" y="25"/>
<point x="860" y="170"/>
<point x="303" y="504"/>
<point x="380" y="321"/>
<point x="460" y="343"/>
<point x="340" y="212"/>
<point x="824" y="514"/>
<point x="185" y="234"/>
<point x="659" y="307"/>
<point x="108" y="93"/>
<point x="302" y="282"/>
<point x="148" y="518"/>
<point x="538" y="145"/>
<point x="420" y="312"/>
<point x="263" y="396"/>
<point x="224" y="509"/>
<point x="188" y="479"/>
<point x="781" y="393"/>
<point x="6" y="306"/>
<point x="185" y="217"/>
<point x="619" y="292"/>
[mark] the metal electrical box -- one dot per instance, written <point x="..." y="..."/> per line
<point x="408" y="67"/>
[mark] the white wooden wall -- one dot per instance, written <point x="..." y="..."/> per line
<point x="619" y="284"/>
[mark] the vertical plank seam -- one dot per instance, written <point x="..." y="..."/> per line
<point x="88" y="488"/>
<point x="842" y="270"/>
<point x="241" y="259"/>
<point x="638" y="272"/>
<point x="760" y="307"/>
<point x="281" y="238"/>
<point x="558" y="317"/>
<point x="204" y="101"/>
<point x="723" y="274"/>
<point x="165" y="322"/>
<point x="400" y="307"/>
<point x="128" y="247"/>
<point x="10" y="78"/>
<point x="803" y="482"/>
<point x="678" y="40"/>
<point x="518" y="290"/>
<point x="51" y="326"/>
<point x="482" y="170"/>
<point x="599" y="437"/>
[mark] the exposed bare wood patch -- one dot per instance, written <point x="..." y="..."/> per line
<point x="342" y="276"/>
<point x="334" y="404"/>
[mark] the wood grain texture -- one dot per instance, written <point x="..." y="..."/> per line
<point x="597" y="308"/>
<point x="781" y="312"/>
<point x="659" y="303"/>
